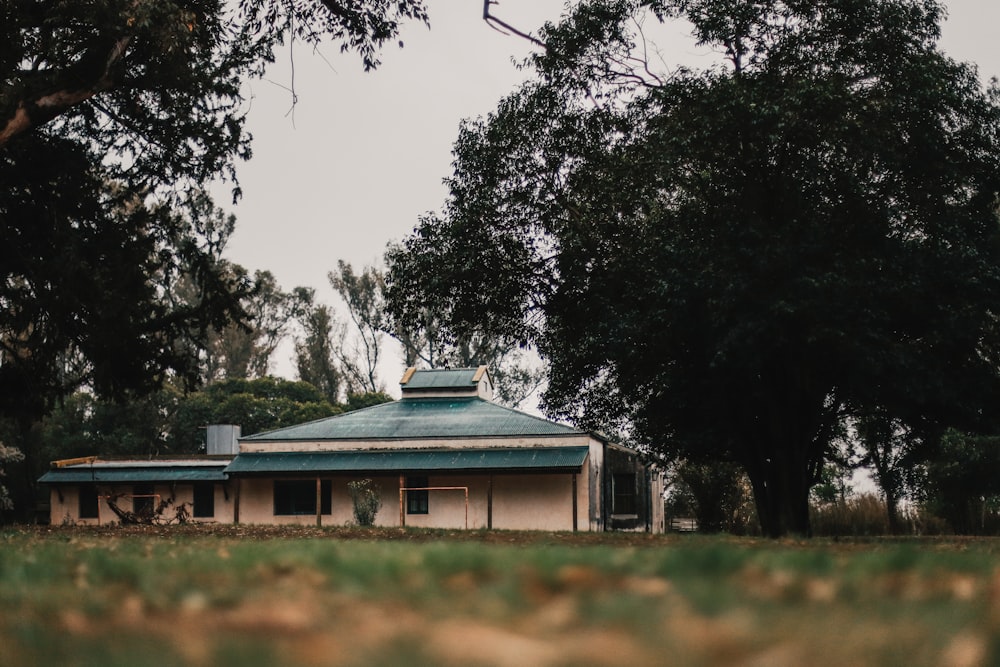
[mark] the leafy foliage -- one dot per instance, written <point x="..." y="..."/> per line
<point x="244" y="350"/>
<point x="359" y="355"/>
<point x="895" y="454"/>
<point x="367" y="500"/>
<point x="314" y="352"/>
<point x="428" y="342"/>
<point x="963" y="481"/>
<point x="7" y="455"/>
<point x="728" y="263"/>
<point x="86" y="277"/>
<point x="366" y="400"/>
<point x="256" y="405"/>
<point x="114" y="116"/>
<point x="717" y="496"/>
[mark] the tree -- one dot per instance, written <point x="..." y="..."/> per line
<point x="314" y="352"/>
<point x="114" y="116"/>
<point x="729" y="263"/>
<point x="87" y="273"/>
<point x="714" y="494"/>
<point x="366" y="400"/>
<point x="7" y="455"/>
<point x="895" y="452"/>
<point x="146" y="65"/>
<point x="963" y="480"/>
<point x="255" y="405"/>
<point x="517" y="373"/>
<point x="359" y="356"/>
<point x="243" y="350"/>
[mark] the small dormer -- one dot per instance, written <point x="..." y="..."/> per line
<point x="446" y="382"/>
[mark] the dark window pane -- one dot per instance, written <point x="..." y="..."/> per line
<point x="624" y="493"/>
<point x="88" y="501"/>
<point x="298" y="497"/>
<point x="204" y="500"/>
<point x="417" y="501"/>
<point x="143" y="500"/>
<point x="326" y="493"/>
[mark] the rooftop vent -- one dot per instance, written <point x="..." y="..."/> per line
<point x="435" y="382"/>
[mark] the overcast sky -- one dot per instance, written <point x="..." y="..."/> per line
<point x="362" y="155"/>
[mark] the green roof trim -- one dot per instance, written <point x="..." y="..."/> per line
<point x="421" y="418"/>
<point x="412" y="460"/>
<point x="133" y="474"/>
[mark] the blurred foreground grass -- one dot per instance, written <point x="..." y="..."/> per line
<point x="331" y="597"/>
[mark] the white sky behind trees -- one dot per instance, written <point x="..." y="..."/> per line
<point x="362" y="155"/>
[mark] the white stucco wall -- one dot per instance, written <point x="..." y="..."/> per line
<point x="520" y="502"/>
<point x="64" y="502"/>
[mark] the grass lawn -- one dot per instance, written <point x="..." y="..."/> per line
<point x="338" y="596"/>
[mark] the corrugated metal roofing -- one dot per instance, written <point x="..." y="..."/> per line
<point x="135" y="474"/>
<point x="524" y="458"/>
<point x="465" y="417"/>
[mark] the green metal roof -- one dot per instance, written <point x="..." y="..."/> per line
<point x="422" y="418"/>
<point x="134" y="474"/>
<point x="513" y="459"/>
<point x="442" y="378"/>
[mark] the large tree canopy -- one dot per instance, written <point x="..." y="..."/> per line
<point x="728" y="263"/>
<point x="114" y="117"/>
<point x="158" y="82"/>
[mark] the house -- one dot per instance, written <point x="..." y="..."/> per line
<point x="444" y="455"/>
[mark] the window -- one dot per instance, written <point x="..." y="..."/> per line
<point x="298" y="496"/>
<point x="142" y="499"/>
<point x="623" y="485"/>
<point x="88" y="501"/>
<point x="416" y="501"/>
<point x="204" y="500"/>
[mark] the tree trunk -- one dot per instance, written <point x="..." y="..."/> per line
<point x="786" y="421"/>
<point x="888" y="479"/>
<point x="782" y="476"/>
<point x="892" y="511"/>
<point x="782" y="501"/>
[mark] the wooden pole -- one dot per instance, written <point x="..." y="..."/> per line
<point x="574" y="503"/>
<point x="489" y="504"/>
<point x="319" y="502"/>
<point x="236" y="501"/>
<point x="402" y="514"/>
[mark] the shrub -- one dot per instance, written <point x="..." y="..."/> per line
<point x="367" y="501"/>
<point x="861" y="514"/>
<point x="718" y="496"/>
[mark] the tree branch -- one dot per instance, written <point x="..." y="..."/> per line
<point x="42" y="108"/>
<point x="502" y="26"/>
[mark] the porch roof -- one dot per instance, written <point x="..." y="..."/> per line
<point x="124" y="474"/>
<point x="412" y="460"/>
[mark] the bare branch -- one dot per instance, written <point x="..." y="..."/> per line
<point x="506" y="28"/>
